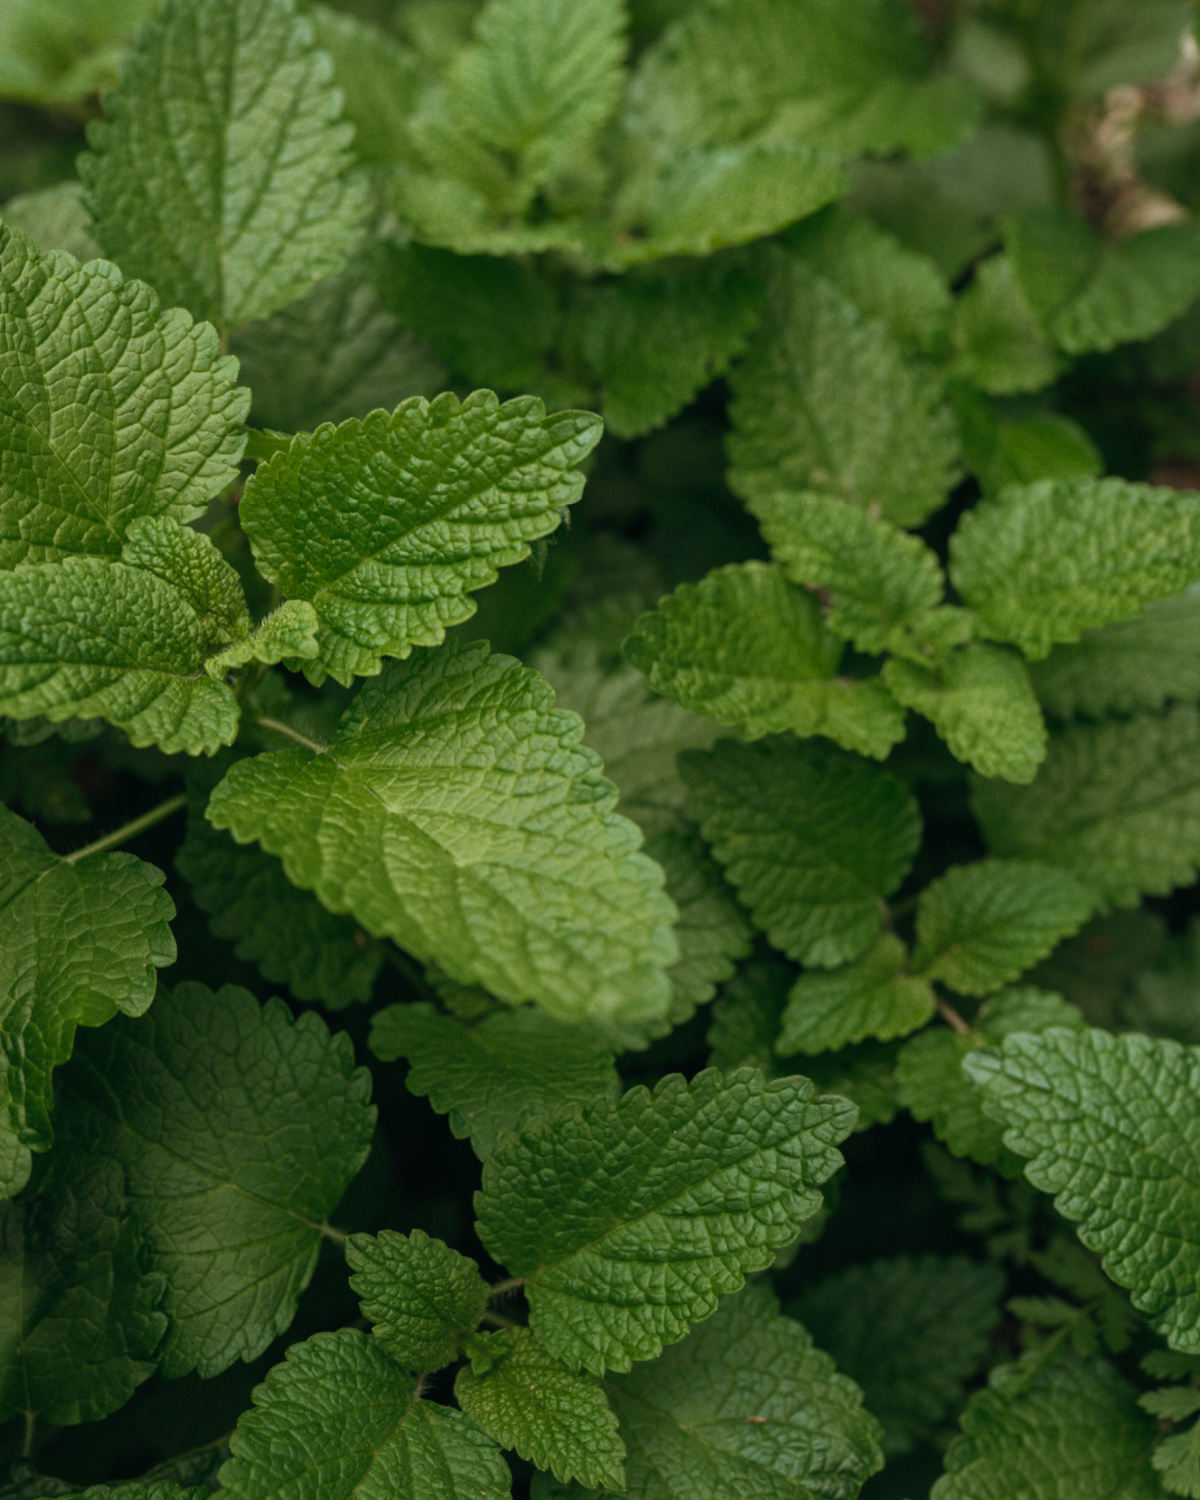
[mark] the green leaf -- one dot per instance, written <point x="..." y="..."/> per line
<point x="379" y="79"/>
<point x="930" y="1082"/>
<point x="287" y="634"/>
<point x="744" y="1406"/>
<point x="713" y="931"/>
<point x="981" y="926"/>
<point x="335" y="353"/>
<point x="220" y="174"/>
<point x="339" y="1420"/>
<point x="879" y="578"/>
<point x="1109" y="1126"/>
<point x="810" y="841"/>
<point x="649" y="1209"/>
<point x="1091" y="296"/>
<point x="1132" y="665"/>
<point x="770" y="69"/>
<point x="421" y="1296"/>
<point x="163" y="429"/>
<point x="386" y="525"/>
<point x="54" y="218"/>
<point x="1072" y="1430"/>
<point x="1117" y="803"/>
<point x="78" y="943"/>
<point x="655" y="337"/>
<point x="497" y="1076"/>
<point x="897" y="287"/>
<point x="873" y="996"/>
<point x="455" y="812"/>
<point x="286" y="932"/>
<point x="998" y="344"/>
<point x="911" y="1331"/>
<point x="1090" y="46"/>
<point x="981" y="703"/>
<point x="864" y="1074"/>
<point x="162" y="1491"/>
<point x="1019" y="450"/>
<point x="1044" y="562"/>
<point x="55" y="51"/>
<point x="746" y="1017"/>
<point x="744" y="647"/>
<point x="893" y="447"/>
<point x="79" y="1325"/>
<point x="528" y="1400"/>
<point x="239" y="1130"/>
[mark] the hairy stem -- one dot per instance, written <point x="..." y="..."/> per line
<point x="277" y="727"/>
<point x="952" y="1017"/>
<point x="338" y="1236"/>
<point x="129" y="830"/>
<point x="497" y="1321"/>
<point x="503" y="1287"/>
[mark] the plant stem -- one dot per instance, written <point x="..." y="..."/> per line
<point x="129" y="830"/>
<point x="502" y="1287"/>
<point x="292" y="734"/>
<point x="338" y="1236"/>
<point x="27" y="1444"/>
<point x="497" y="1321"/>
<point x="952" y="1017"/>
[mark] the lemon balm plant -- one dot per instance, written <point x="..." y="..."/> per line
<point x="600" y="691"/>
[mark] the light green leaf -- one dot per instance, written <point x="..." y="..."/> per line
<point x="744" y="1406"/>
<point x="713" y="931"/>
<point x="188" y="561"/>
<point x="339" y="1420"/>
<point x="930" y="1080"/>
<point x="498" y="1075"/>
<point x="655" y="337"/>
<point x="386" y="525"/>
<point x="810" y="841"/>
<point x="873" y="996"/>
<point x="744" y="647"/>
<point x="1044" y="562"/>
<point x="421" y="1296"/>
<point x="335" y="353"/>
<point x="879" y="578"/>
<point x="54" y="218"/>
<point x="998" y="344"/>
<point x="54" y="51"/>
<point x="379" y="79"/>
<point x="239" y="1130"/>
<point x="981" y="926"/>
<point x="528" y="1400"/>
<point x="287" y="634"/>
<point x="78" y="943"/>
<point x="644" y="1215"/>
<point x="1019" y="450"/>
<point x="78" y="1320"/>
<point x="1132" y="665"/>
<point x="1110" y="1128"/>
<point x="772" y="69"/>
<point x="912" y="1331"/>
<point x="286" y="932"/>
<point x="1091" y="296"/>
<point x="981" y="703"/>
<point x="163" y="428"/>
<point x="1117" y="803"/>
<point x="893" y="447"/>
<point x="455" y="812"/>
<point x="220" y="174"/>
<point x="1072" y="1430"/>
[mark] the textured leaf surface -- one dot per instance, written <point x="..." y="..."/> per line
<point x="78" y="1319"/>
<point x="879" y="578"/>
<point x="873" y="996"/>
<point x="1044" y="562"/>
<point x="692" y="1420"/>
<point x="286" y="932"/>
<point x="653" y="1207"/>
<point x="1134" y="664"/>
<point x="386" y="525"/>
<point x="981" y="703"/>
<point x="54" y="218"/>
<point x="220" y="174"/>
<point x="528" y="1400"/>
<point x="239" y="1130"/>
<point x="498" y="1075"/>
<point x="420" y="1296"/>
<point x="455" y="812"/>
<point x="930" y="1079"/>
<point x="893" y="446"/>
<point x="339" y="1420"/>
<point x="1074" y="1432"/>
<point x="1116" y="803"/>
<point x="745" y="647"/>
<point x="78" y="943"/>
<point x="810" y="841"/>
<point x="998" y="344"/>
<point x="981" y="926"/>
<point x="911" y="1331"/>
<point x="1110" y="1128"/>
<point x="111" y="408"/>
